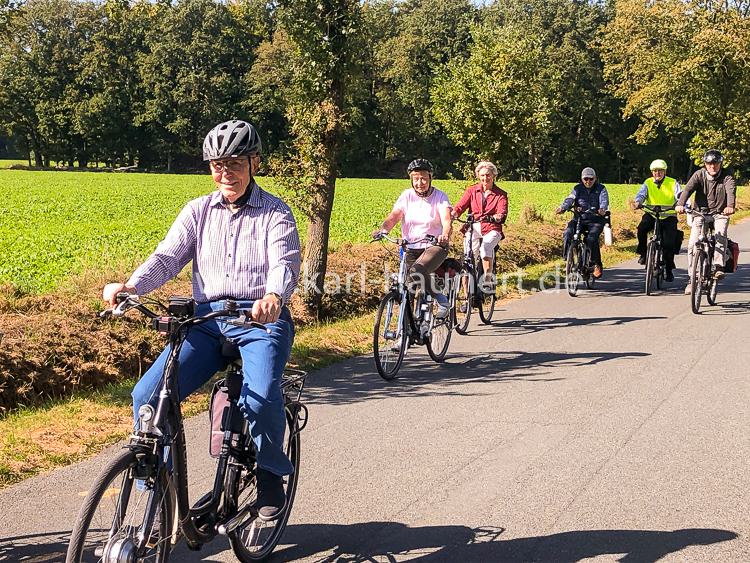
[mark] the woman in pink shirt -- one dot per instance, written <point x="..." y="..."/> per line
<point x="487" y="202"/>
<point x="422" y="210"/>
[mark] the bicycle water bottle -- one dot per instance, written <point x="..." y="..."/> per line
<point x="607" y="235"/>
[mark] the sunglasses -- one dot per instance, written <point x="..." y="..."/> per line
<point x="588" y="179"/>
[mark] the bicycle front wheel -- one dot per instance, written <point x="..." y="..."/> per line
<point x="122" y="515"/>
<point x="696" y="280"/>
<point x="572" y="270"/>
<point x="255" y="539"/>
<point x="440" y="335"/>
<point x="650" y="266"/>
<point x="389" y="339"/>
<point x="462" y="310"/>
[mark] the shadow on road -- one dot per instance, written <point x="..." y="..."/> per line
<point x="516" y="327"/>
<point x="392" y="541"/>
<point x="395" y="541"/>
<point x="357" y="380"/>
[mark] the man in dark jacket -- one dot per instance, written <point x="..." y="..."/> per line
<point x="714" y="190"/>
<point x="588" y="195"/>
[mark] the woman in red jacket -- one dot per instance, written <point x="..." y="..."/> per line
<point x="489" y="206"/>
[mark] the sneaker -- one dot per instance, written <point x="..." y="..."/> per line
<point x="719" y="274"/>
<point x="271" y="499"/>
<point x="642" y="260"/>
<point x="443" y="306"/>
<point x="689" y="288"/>
<point x="597" y="271"/>
<point x="669" y="276"/>
<point x="464" y="307"/>
<point x="396" y="345"/>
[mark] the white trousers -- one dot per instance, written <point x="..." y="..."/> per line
<point x="721" y="224"/>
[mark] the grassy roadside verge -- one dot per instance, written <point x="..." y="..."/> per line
<point x="62" y="432"/>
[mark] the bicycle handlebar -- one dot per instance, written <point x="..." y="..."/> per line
<point x="470" y="219"/>
<point x="236" y="317"/>
<point x="401" y="241"/>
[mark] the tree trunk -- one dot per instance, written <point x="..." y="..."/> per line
<point x="316" y="246"/>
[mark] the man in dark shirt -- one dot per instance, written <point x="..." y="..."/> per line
<point x="588" y="195"/>
<point x="714" y="190"/>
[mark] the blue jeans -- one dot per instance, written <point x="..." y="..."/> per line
<point x="263" y="359"/>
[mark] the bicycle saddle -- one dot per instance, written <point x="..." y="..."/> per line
<point x="229" y="349"/>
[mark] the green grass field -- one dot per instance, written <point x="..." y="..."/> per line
<point x="57" y="224"/>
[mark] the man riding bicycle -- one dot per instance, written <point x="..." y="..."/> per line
<point x="714" y="190"/>
<point x="588" y="195"/>
<point x="663" y="191"/>
<point x="488" y="202"/>
<point x="423" y="210"/>
<point x="244" y="246"/>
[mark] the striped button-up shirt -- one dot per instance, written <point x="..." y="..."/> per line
<point x="239" y="255"/>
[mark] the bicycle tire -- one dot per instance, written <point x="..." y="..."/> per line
<point x="440" y="335"/>
<point x="240" y="481"/>
<point x="659" y="277"/>
<point x="696" y="280"/>
<point x="585" y="260"/>
<point x="387" y="351"/>
<point x="91" y="535"/>
<point x="464" y="296"/>
<point x="713" y="288"/>
<point x="572" y="273"/>
<point x="650" y="266"/>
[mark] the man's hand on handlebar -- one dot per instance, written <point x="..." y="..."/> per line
<point x="267" y="309"/>
<point x="110" y="291"/>
<point x="636" y="205"/>
<point x="728" y="210"/>
<point x="559" y="211"/>
<point x="601" y="212"/>
<point x="680" y="208"/>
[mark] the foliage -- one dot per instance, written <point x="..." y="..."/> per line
<point x="683" y="67"/>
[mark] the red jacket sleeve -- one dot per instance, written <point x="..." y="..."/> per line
<point x="463" y="203"/>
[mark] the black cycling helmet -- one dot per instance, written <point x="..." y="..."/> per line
<point x="419" y="164"/>
<point x="231" y="139"/>
<point x="713" y="155"/>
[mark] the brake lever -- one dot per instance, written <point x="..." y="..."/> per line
<point x="247" y="322"/>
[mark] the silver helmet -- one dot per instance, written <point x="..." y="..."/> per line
<point x="231" y="139"/>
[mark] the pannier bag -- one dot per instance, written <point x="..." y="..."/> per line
<point x="734" y="256"/>
<point x="219" y="401"/>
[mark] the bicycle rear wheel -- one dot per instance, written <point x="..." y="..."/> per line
<point x="462" y="311"/>
<point x="696" y="280"/>
<point x="440" y="335"/>
<point x="487" y="300"/>
<point x="713" y="288"/>
<point x="254" y="539"/>
<point x="389" y="339"/>
<point x="572" y="270"/>
<point x="650" y="266"/>
<point x="118" y="509"/>
<point x="660" y="268"/>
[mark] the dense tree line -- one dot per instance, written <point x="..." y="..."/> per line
<point x="359" y="87"/>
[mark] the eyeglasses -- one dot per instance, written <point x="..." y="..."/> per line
<point x="587" y="179"/>
<point x="229" y="165"/>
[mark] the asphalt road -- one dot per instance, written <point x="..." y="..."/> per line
<point x="608" y="427"/>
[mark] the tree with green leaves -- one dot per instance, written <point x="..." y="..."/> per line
<point x="311" y="67"/>
<point x="683" y="68"/>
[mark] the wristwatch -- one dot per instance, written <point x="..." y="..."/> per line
<point x="277" y="296"/>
